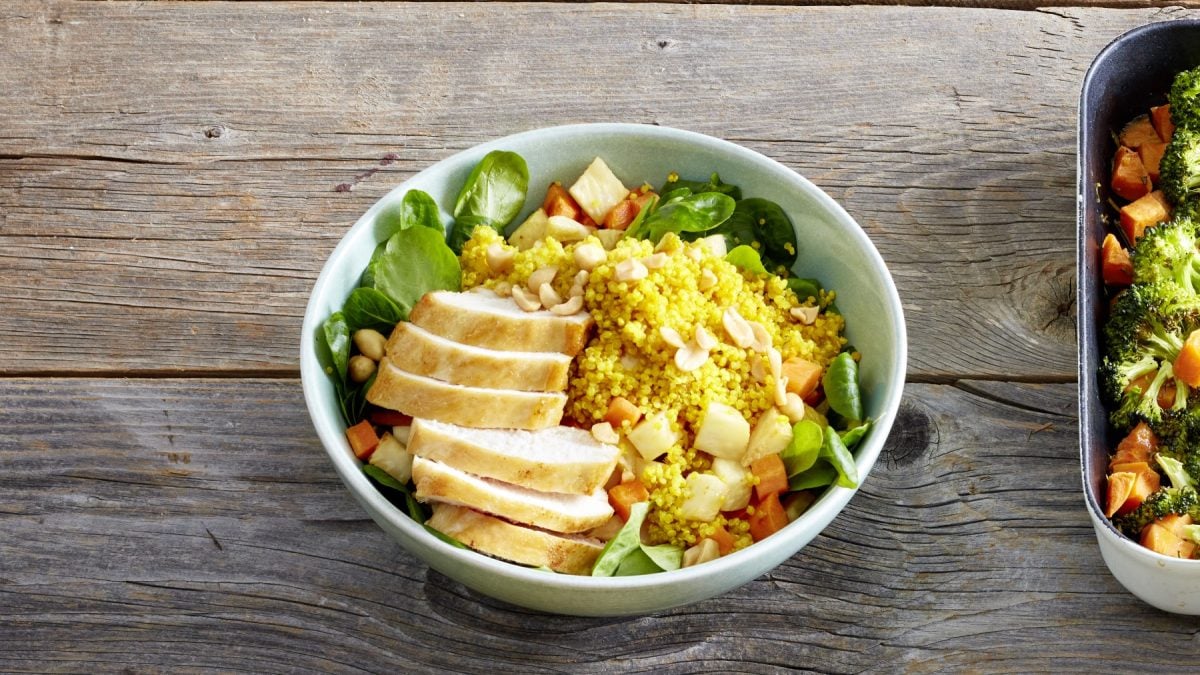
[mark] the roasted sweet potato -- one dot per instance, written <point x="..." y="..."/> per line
<point x="1115" y="265"/>
<point x="1147" y="211"/>
<point x="1160" y="117"/>
<point x="1139" y="131"/>
<point x="1129" y="178"/>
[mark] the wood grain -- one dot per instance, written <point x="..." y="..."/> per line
<point x="168" y="172"/>
<point x="167" y="524"/>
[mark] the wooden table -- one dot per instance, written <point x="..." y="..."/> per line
<point x="173" y="176"/>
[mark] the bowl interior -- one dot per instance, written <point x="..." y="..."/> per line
<point x="1131" y="74"/>
<point x="832" y="248"/>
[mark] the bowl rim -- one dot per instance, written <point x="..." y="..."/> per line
<point x="826" y="507"/>
<point x="1083" y="261"/>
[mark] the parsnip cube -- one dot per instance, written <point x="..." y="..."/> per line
<point x="653" y="436"/>
<point x="723" y="432"/>
<point x="566" y="230"/>
<point x="609" y="238"/>
<point x="531" y="231"/>
<point x="708" y="549"/>
<point x="737" y="483"/>
<point x="772" y="433"/>
<point x="716" y="243"/>
<point x="391" y="456"/>
<point x="598" y="190"/>
<point x="707" y="495"/>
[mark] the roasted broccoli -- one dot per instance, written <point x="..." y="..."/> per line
<point x="1179" y="172"/>
<point x="1164" y="502"/>
<point x="1145" y="332"/>
<point x="1170" y="253"/>
<point x="1185" y="99"/>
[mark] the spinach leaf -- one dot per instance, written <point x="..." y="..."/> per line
<point x="386" y="480"/>
<point x="666" y="556"/>
<point x="417" y="209"/>
<point x="746" y="258"/>
<point x="713" y="184"/>
<point x="635" y="229"/>
<point x="337" y="339"/>
<point x="820" y="475"/>
<point x="770" y="226"/>
<point x="853" y="437"/>
<point x="801" y="453"/>
<point x="691" y="213"/>
<point x="416" y="261"/>
<point x="834" y="452"/>
<point x="650" y="559"/>
<point x="450" y="540"/>
<point x="368" y="278"/>
<point x="841" y="387"/>
<point x="383" y="478"/>
<point x="369" y="308"/>
<point x="329" y="365"/>
<point x="805" y="288"/>
<point x="626" y="541"/>
<point x="493" y="195"/>
<point x="636" y="563"/>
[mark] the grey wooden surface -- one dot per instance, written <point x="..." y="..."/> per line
<point x="172" y="177"/>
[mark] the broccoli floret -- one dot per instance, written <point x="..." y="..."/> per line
<point x="1185" y="99"/>
<point x="1179" y="172"/>
<point x="1145" y="333"/>
<point x="1164" y="502"/>
<point x="1170" y="253"/>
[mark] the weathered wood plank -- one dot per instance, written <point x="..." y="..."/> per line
<point x="167" y="172"/>
<point x="163" y="524"/>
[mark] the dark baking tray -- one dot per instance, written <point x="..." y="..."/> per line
<point x="1131" y="74"/>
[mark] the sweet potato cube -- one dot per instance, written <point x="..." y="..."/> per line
<point x="1144" y="485"/>
<point x="1175" y="523"/>
<point x="1161" y="540"/>
<point x="1187" y="364"/>
<point x="802" y="375"/>
<point x="1137" y="446"/>
<point x="1129" y="178"/>
<point x="559" y="202"/>
<point x="1115" y="265"/>
<point x="1151" y="153"/>
<point x="1160" y="117"/>
<point x="1120" y="485"/>
<point x="1130" y="467"/>
<point x="621" y="215"/>
<point x="1139" y="131"/>
<point x="1147" y="211"/>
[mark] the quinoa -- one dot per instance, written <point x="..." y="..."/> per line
<point x="629" y="357"/>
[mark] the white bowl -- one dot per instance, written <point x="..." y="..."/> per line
<point x="833" y="248"/>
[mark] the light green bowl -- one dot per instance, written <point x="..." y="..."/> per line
<point x="832" y="248"/>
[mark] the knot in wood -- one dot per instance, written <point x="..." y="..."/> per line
<point x="214" y="132"/>
<point x="913" y="435"/>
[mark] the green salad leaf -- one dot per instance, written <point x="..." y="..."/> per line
<point x="767" y="224"/>
<point x="853" y="436"/>
<point x="805" y="288"/>
<point x="452" y="541"/>
<point x="687" y="213"/>
<point x="802" y="452"/>
<point x="414" y="262"/>
<point x="746" y="258"/>
<point x="840" y="382"/>
<point x="713" y="184"/>
<point x="835" y="452"/>
<point x="493" y="195"/>
<point x="626" y="541"/>
<point x="416" y="209"/>
<point x="384" y="479"/>
<point x="368" y="307"/>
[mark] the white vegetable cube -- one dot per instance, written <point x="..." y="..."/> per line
<point x="772" y="433"/>
<point x="598" y="190"/>
<point x="653" y="436"/>
<point x="531" y="231"/>
<point x="609" y="238"/>
<point x="737" y="483"/>
<point x="391" y="456"/>
<point x="723" y="432"/>
<point x="707" y="493"/>
<point x="566" y="230"/>
<point x="716" y="244"/>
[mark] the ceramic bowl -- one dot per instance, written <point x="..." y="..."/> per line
<point x="833" y="248"/>
<point x="1131" y="74"/>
